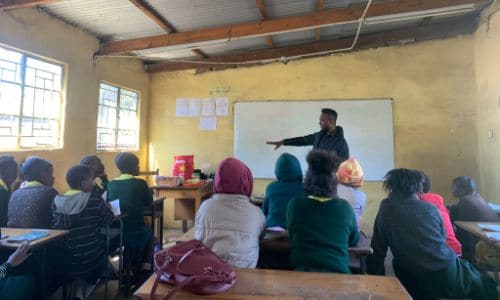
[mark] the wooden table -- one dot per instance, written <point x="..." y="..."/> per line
<point x="11" y="232"/>
<point x="279" y="242"/>
<point x="473" y="228"/>
<point x="184" y="208"/>
<point x="274" y="285"/>
<point x="156" y="215"/>
<point x="34" y="245"/>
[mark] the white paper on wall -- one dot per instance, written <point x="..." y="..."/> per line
<point x="194" y="107"/>
<point x="208" y="123"/>
<point x="181" y="107"/>
<point x="222" y="106"/>
<point x="208" y="107"/>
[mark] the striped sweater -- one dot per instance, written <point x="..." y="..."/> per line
<point x="84" y="214"/>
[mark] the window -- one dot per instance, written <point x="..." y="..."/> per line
<point x="30" y="102"/>
<point x="117" y="123"/>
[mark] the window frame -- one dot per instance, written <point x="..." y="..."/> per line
<point x="116" y="147"/>
<point x="61" y="117"/>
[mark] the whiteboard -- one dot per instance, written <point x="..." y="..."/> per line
<point x="368" y="129"/>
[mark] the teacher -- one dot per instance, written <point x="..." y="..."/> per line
<point x="330" y="137"/>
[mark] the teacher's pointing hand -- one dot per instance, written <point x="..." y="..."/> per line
<point x="276" y="144"/>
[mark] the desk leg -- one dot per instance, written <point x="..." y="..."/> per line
<point x="362" y="263"/>
<point x="161" y="226"/>
<point x="44" y="272"/>
<point x="107" y="265"/>
<point x="120" y="255"/>
<point x="184" y="226"/>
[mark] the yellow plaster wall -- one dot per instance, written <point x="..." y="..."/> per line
<point x="46" y="36"/>
<point x="432" y="84"/>
<point x="487" y="66"/>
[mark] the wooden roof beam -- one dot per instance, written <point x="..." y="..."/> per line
<point x="319" y="8"/>
<point x="15" y="4"/>
<point x="263" y="14"/>
<point x="160" y="21"/>
<point x="309" y="21"/>
<point x="466" y="25"/>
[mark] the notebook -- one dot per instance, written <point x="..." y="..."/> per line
<point x="30" y="236"/>
<point x="494" y="236"/>
<point x="115" y="207"/>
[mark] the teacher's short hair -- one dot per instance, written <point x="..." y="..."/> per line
<point x="332" y="113"/>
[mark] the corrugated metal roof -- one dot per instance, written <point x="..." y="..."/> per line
<point x="187" y="15"/>
<point x="240" y="45"/>
<point x="284" y="8"/>
<point x="294" y="38"/>
<point x="108" y="19"/>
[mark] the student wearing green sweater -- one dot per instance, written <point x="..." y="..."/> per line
<point x="8" y="174"/>
<point x="135" y="196"/>
<point x="321" y="226"/>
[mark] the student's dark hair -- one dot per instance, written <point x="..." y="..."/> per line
<point x="402" y="182"/>
<point x="76" y="175"/>
<point x="463" y="186"/>
<point x="126" y="162"/>
<point x="90" y="160"/>
<point x="7" y="163"/>
<point x="33" y="167"/>
<point x="426" y="182"/>
<point x="332" y="113"/>
<point x="320" y="176"/>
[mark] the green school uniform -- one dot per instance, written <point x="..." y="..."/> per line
<point x="321" y="230"/>
<point x="135" y="196"/>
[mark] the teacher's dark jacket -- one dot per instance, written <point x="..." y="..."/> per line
<point x="322" y="140"/>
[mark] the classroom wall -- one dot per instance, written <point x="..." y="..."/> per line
<point x="487" y="67"/>
<point x="41" y="34"/>
<point x="431" y="83"/>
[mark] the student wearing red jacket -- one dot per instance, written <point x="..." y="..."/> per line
<point x="438" y="201"/>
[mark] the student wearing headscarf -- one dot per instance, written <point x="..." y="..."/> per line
<point x="96" y="165"/>
<point x="280" y="192"/>
<point x="8" y="174"/>
<point x="321" y="226"/>
<point x="227" y="222"/>
<point x="30" y="206"/>
<point x="350" y="178"/>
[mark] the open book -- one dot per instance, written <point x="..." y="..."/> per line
<point x="115" y="207"/>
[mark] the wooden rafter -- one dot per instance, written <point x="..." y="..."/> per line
<point x="161" y="21"/>
<point x="323" y="18"/>
<point x="319" y="8"/>
<point x="14" y="4"/>
<point x="264" y="16"/>
<point x="466" y="25"/>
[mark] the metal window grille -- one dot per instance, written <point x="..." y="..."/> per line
<point x="117" y="122"/>
<point x="30" y="102"/>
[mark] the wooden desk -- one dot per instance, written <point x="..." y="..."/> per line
<point x="280" y="243"/>
<point x="473" y="228"/>
<point x="11" y="232"/>
<point x="39" y="244"/>
<point x="156" y="215"/>
<point x="272" y="284"/>
<point x="184" y="208"/>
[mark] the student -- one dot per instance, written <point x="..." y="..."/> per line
<point x="470" y="207"/>
<point x="350" y="178"/>
<point x="95" y="164"/>
<point x="321" y="226"/>
<point x="280" y="192"/>
<point x="227" y="222"/>
<point x="135" y="196"/>
<point x="414" y="231"/>
<point x="8" y="174"/>
<point x="30" y="206"/>
<point x="438" y="201"/>
<point x="84" y="213"/>
<point x="15" y="285"/>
